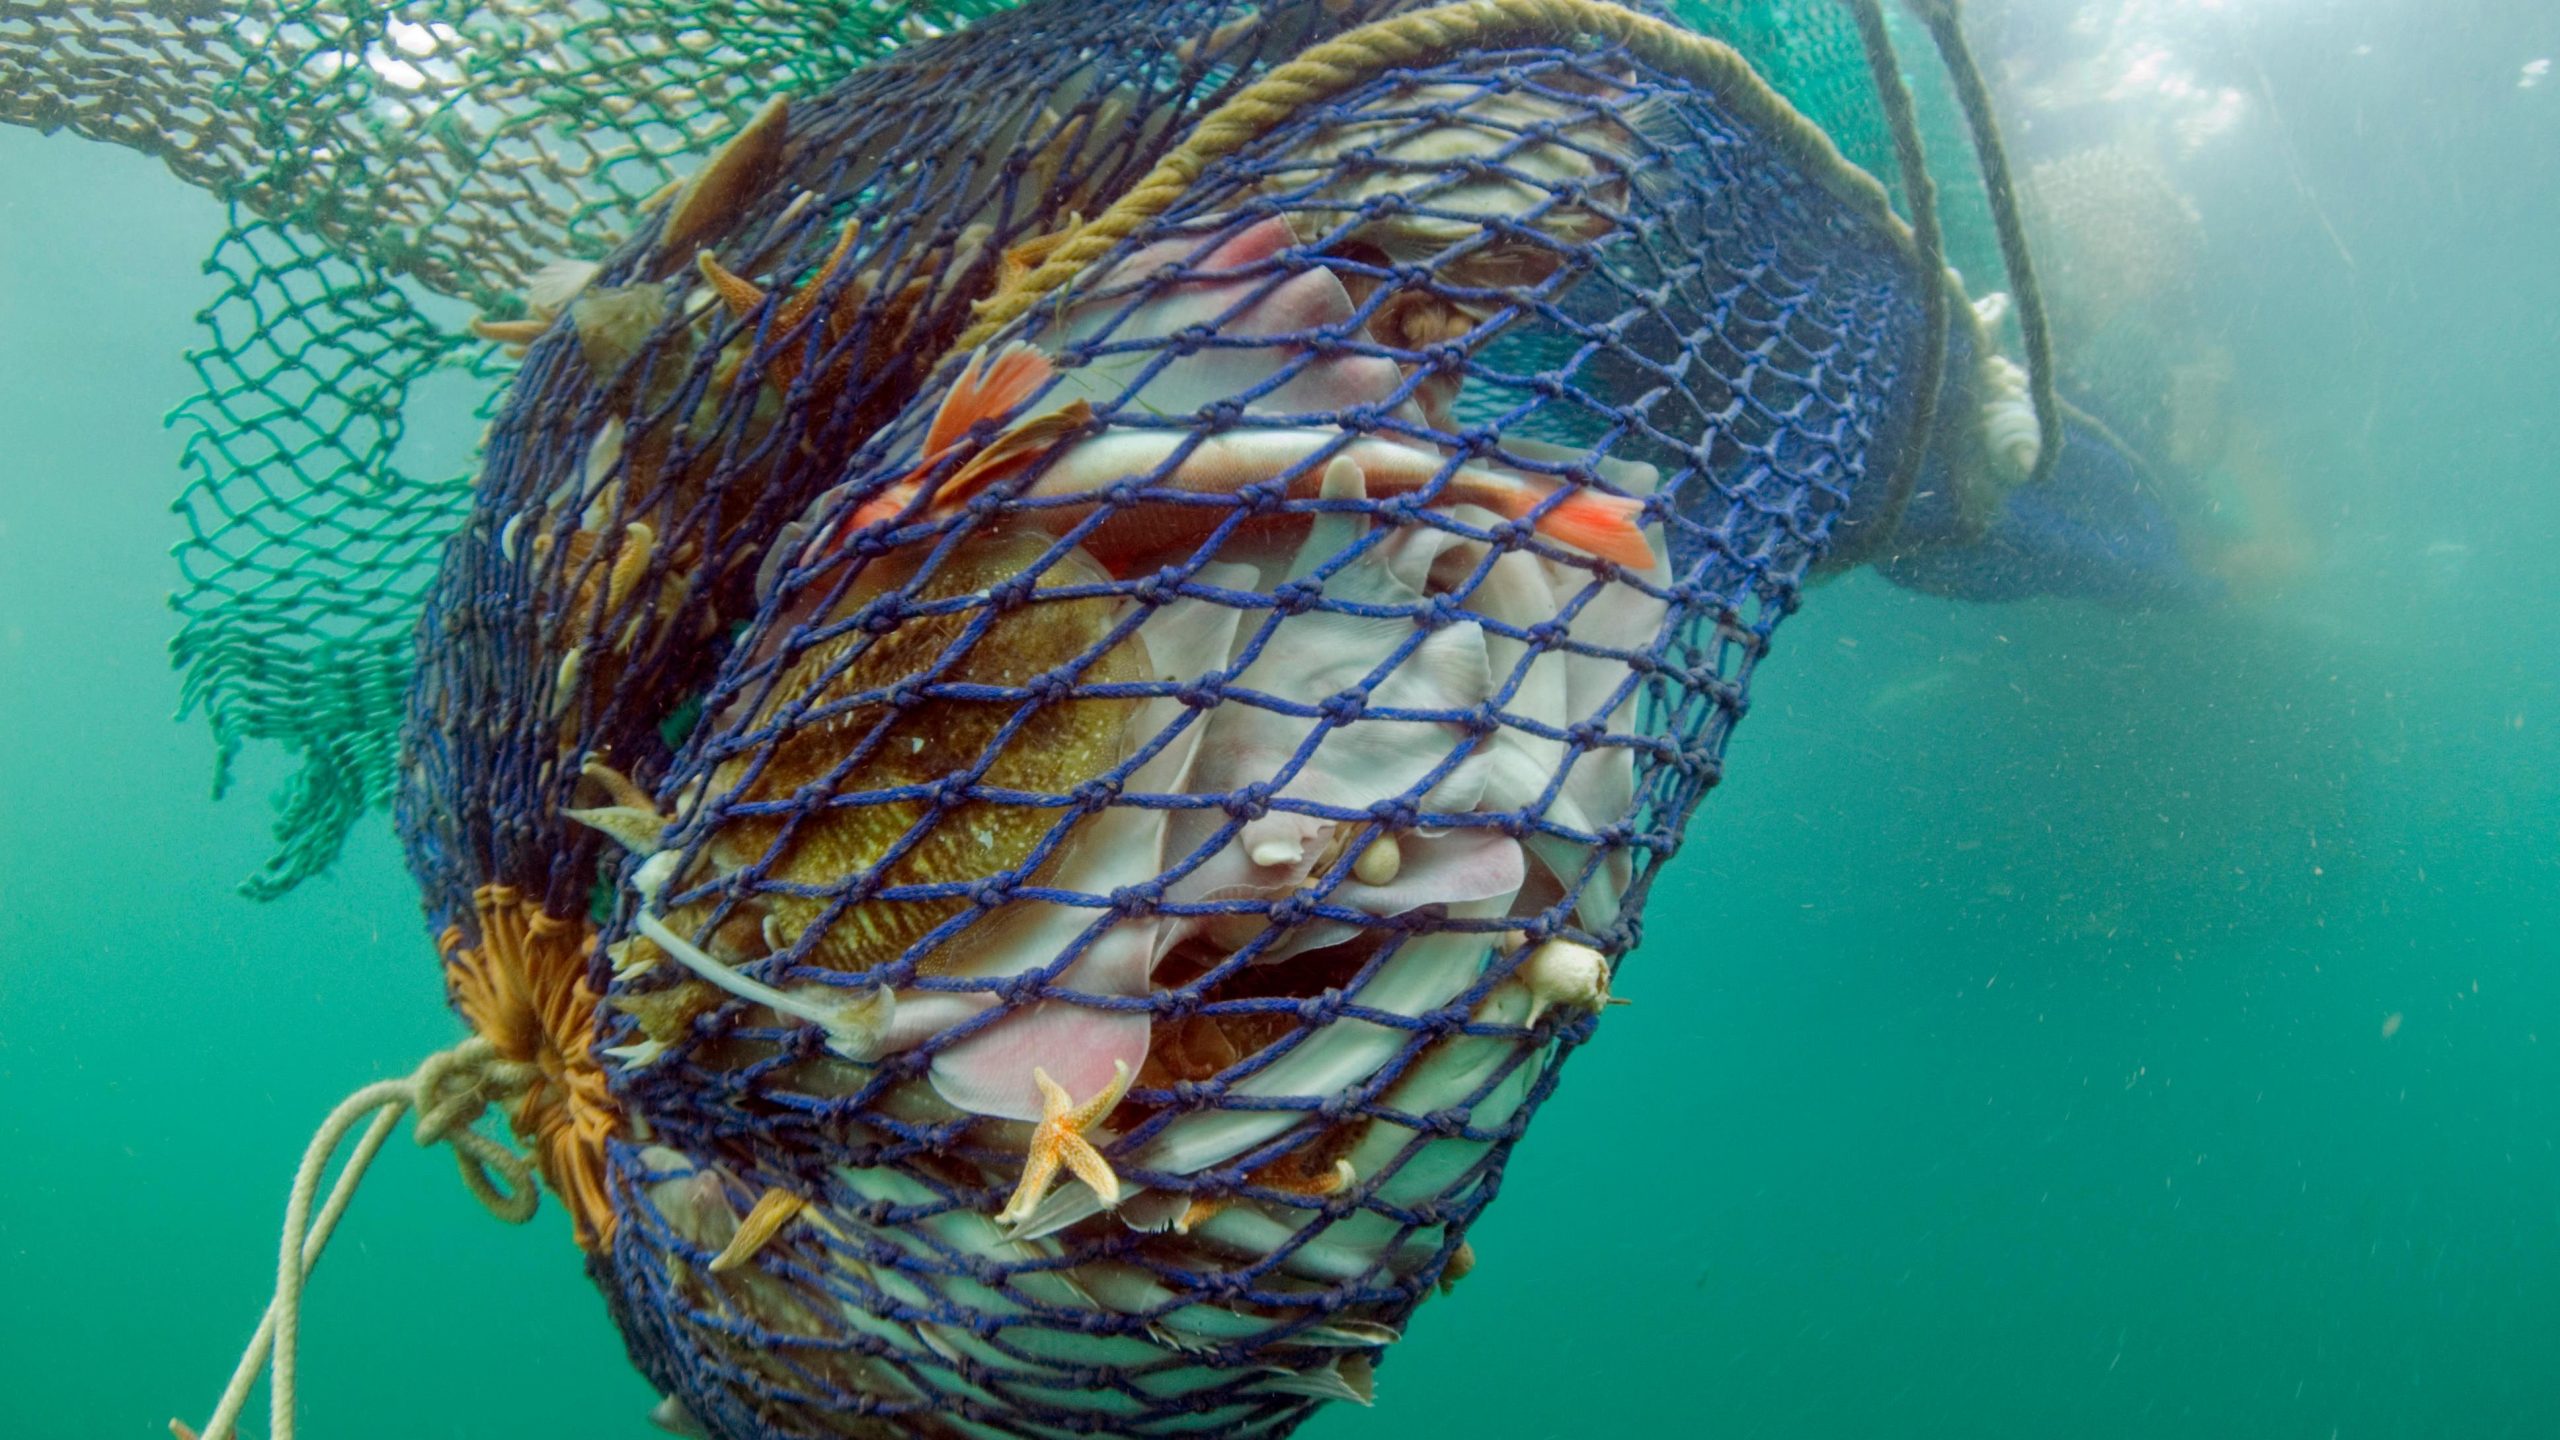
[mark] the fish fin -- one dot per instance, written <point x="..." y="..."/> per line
<point x="1330" y="532"/>
<point x="1636" y="477"/>
<point x="881" y="507"/>
<point x="1657" y="120"/>
<point x="1254" y="243"/>
<point x="1609" y="526"/>
<point x="988" y="389"/>
<point x="1002" y="456"/>
<point x="989" y="1072"/>
<point x="1010" y="451"/>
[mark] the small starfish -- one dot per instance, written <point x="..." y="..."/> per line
<point x="1060" y="1140"/>
<point x="1020" y="263"/>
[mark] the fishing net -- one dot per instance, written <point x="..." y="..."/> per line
<point x="1065" y="679"/>
<point x="373" y="156"/>
<point x="1066" y="671"/>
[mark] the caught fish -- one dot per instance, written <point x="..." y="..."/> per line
<point x="838" y="726"/>
<point x="1462" y="201"/>
<point x="1074" y="474"/>
<point x="1252" y="332"/>
<point x="1222" y="464"/>
<point x="1016" y="409"/>
<point x="1356" y="641"/>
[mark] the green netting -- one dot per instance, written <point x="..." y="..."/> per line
<point x="304" y="544"/>
<point x="1808" y="51"/>
<point x="373" y="154"/>
<point x="368" y="153"/>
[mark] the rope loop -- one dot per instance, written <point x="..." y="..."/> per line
<point x="1338" y="65"/>
<point x="450" y="1091"/>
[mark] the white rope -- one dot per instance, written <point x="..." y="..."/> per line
<point x="449" y="1091"/>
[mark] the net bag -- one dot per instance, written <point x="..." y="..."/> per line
<point x="1067" y="676"/>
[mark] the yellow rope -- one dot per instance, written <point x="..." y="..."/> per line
<point x="1344" y="62"/>
<point x="449" y="1092"/>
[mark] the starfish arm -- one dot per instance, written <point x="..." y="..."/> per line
<point x="1084" y="1117"/>
<point x="742" y="296"/>
<point x="773" y="1210"/>
<point x="796" y="309"/>
<point x="1055" y="1103"/>
<point x="1200" y="1211"/>
<point x="1059" y="1140"/>
<point x="1091" y="1168"/>
<point x="1037" y="1171"/>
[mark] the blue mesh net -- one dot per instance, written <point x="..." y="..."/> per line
<point x="2100" y="527"/>
<point x="1100" y="838"/>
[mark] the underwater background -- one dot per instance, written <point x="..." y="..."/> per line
<point x="2065" y="1022"/>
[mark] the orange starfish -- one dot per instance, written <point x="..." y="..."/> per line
<point x="742" y="296"/>
<point x="1060" y="1139"/>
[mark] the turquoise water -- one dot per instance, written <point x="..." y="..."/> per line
<point x="2015" y="1051"/>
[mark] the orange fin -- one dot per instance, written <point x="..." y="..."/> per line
<point x="1003" y="455"/>
<point x="988" y="389"/>
<point x="880" y="507"/>
<point x="1609" y="526"/>
<point x="1009" y="451"/>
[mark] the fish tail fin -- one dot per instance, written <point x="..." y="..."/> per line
<point x="1609" y="526"/>
<point x="880" y="507"/>
<point x="988" y="389"/>
<point x="1009" y="452"/>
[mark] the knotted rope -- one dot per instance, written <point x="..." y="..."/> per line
<point x="1357" y="55"/>
<point x="449" y="1092"/>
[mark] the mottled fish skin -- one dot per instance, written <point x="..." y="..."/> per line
<point x="1058" y="747"/>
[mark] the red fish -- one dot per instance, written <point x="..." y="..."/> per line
<point x="988" y="390"/>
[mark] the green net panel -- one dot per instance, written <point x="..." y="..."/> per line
<point x="371" y="155"/>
